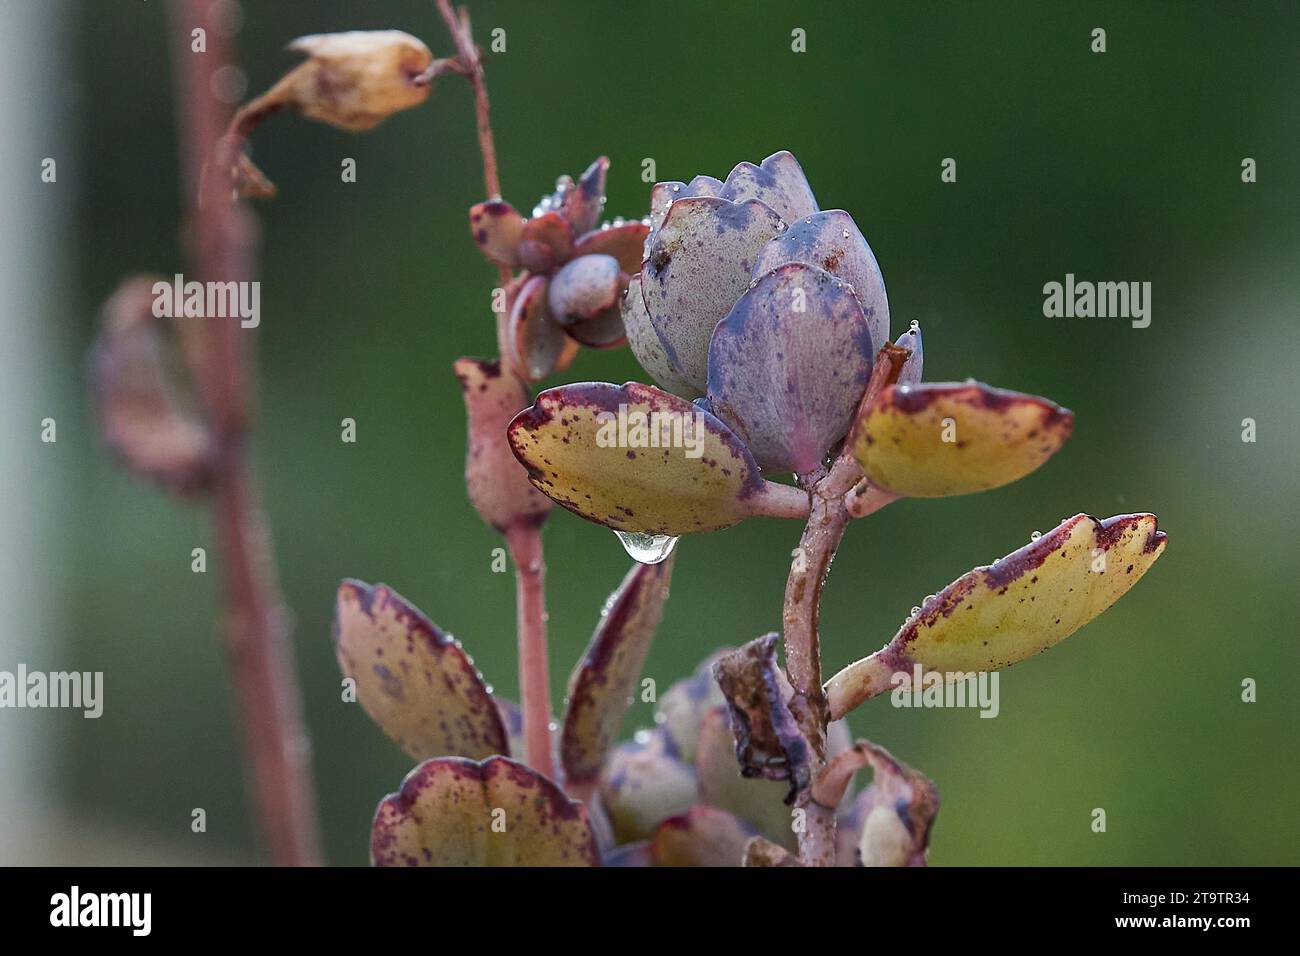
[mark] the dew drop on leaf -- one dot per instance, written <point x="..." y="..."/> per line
<point x="647" y="548"/>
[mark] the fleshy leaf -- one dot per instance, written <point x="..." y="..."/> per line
<point x="645" y="344"/>
<point x="703" y="836"/>
<point x="699" y="262"/>
<point x="445" y="812"/>
<point x="642" y="783"/>
<point x="760" y="803"/>
<point x="768" y="740"/>
<point x="497" y="485"/>
<point x="778" y="182"/>
<point x="831" y="241"/>
<point x="601" y="685"/>
<point x="911" y="340"/>
<point x="539" y="345"/>
<point x="789" y="365"/>
<point x="546" y="244"/>
<point x="625" y="242"/>
<point x="683" y="707"/>
<point x="497" y="228"/>
<point x="140" y="414"/>
<point x="1022" y="604"/>
<point x="944" y="438"/>
<point x="583" y="203"/>
<point x="705" y="186"/>
<point x="512" y="719"/>
<point x="603" y="331"/>
<point x="704" y="479"/>
<point x="661" y="197"/>
<point x="890" y="822"/>
<point x="415" y="682"/>
<point x="583" y="288"/>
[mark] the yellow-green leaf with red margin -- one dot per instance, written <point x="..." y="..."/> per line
<point x="604" y="679"/>
<point x="1018" y="606"/>
<point x="456" y="812"/>
<point x="636" y="458"/>
<point x="415" y="682"/>
<point x="942" y="438"/>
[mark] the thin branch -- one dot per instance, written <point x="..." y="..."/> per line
<point x="468" y="54"/>
<point x="828" y="518"/>
<point x="821" y="537"/>
<point x="221" y="241"/>
<point x="525" y="543"/>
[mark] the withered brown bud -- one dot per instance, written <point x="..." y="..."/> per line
<point x="140" y="415"/>
<point x="352" y="80"/>
<point x="358" y="79"/>
<point x="498" y="485"/>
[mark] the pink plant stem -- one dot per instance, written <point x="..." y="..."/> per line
<point x="525" y="543"/>
<point x="221" y="243"/>
<point x="828" y="517"/>
<point x="467" y="53"/>
<point x="827" y="521"/>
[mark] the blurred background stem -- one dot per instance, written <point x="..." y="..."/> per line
<point x="220" y="238"/>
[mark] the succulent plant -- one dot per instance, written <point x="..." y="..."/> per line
<point x="772" y="315"/>
<point x="574" y="271"/>
<point x="765" y="323"/>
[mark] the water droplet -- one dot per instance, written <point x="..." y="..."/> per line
<point x="916" y="610"/>
<point x="1035" y="536"/>
<point x="553" y="726"/>
<point x="647" y="548"/>
<point x="488" y="688"/>
<point x="677" y="187"/>
<point x="642" y="737"/>
<point x="916" y="326"/>
<point x="929" y="598"/>
<point x="661" y="718"/>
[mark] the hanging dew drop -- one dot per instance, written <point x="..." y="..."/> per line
<point x="647" y="548"/>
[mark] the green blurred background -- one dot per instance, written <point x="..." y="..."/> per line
<point x="1120" y="166"/>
